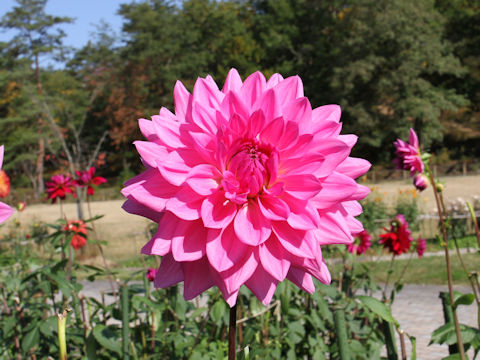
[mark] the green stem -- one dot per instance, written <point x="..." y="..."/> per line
<point x="390" y="270"/>
<point x="341" y="333"/>
<point x="449" y="269"/>
<point x="62" y="343"/>
<point x="392" y="352"/>
<point x="125" y="321"/>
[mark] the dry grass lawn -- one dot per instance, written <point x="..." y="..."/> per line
<point x="126" y="233"/>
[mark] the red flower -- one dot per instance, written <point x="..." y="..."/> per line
<point x="364" y="244"/>
<point x="88" y="178"/>
<point x="421" y="246"/>
<point x="398" y="239"/>
<point x="60" y="186"/>
<point x="79" y="230"/>
<point x="4" y="184"/>
<point x="151" y="272"/>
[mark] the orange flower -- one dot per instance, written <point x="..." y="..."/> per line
<point x="79" y="230"/>
<point x="4" y="184"/>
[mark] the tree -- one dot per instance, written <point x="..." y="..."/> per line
<point x="38" y="36"/>
<point x="392" y="60"/>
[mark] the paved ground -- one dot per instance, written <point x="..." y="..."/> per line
<point x="417" y="308"/>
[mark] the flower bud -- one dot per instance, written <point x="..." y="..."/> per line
<point x="421" y="182"/>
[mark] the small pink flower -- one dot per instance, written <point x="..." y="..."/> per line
<point x="421" y="246"/>
<point x="151" y="272"/>
<point x="5" y="210"/>
<point x="59" y="186"/>
<point x="87" y="178"/>
<point x="421" y="182"/>
<point x="246" y="184"/>
<point x="408" y="155"/>
<point x="364" y="243"/>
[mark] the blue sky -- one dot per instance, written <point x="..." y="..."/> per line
<point x="86" y="14"/>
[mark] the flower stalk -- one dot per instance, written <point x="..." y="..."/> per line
<point x="232" y="333"/>
<point x="449" y="268"/>
<point x="341" y="333"/>
<point x="62" y="343"/>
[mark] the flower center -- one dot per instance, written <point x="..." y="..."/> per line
<point x="251" y="166"/>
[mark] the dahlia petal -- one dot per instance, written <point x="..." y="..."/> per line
<point x="301" y="279"/>
<point x="302" y="186"/>
<point x="333" y="229"/>
<point x="185" y="204"/>
<point x="326" y="113"/>
<point x="181" y="97"/>
<point x="353" y="167"/>
<point x="174" y="169"/>
<point x="236" y="276"/>
<point x="273" y="131"/>
<point x="224" y="250"/>
<point x="352" y="207"/>
<point x="334" y="151"/>
<point x="190" y="246"/>
<point x="335" y="188"/>
<point x="304" y="218"/>
<point x="269" y="106"/>
<point x="167" y="131"/>
<point x="147" y="128"/>
<point x="238" y="124"/>
<point x="413" y="139"/>
<point x="233" y="104"/>
<point x="274" y="80"/>
<point x="290" y="135"/>
<point x="361" y="193"/>
<point x="317" y="268"/>
<point x="134" y="207"/>
<point x="205" y="91"/>
<point x="217" y="211"/>
<point x="289" y="89"/>
<point x="150" y="152"/>
<point x="253" y="88"/>
<point x="233" y="82"/>
<point x="197" y="278"/>
<point x="262" y="284"/>
<point x="149" y="189"/>
<point x="157" y="245"/>
<point x="294" y="241"/>
<point x="5" y="211"/>
<point x="274" y="259"/>
<point x="273" y="208"/>
<point x="205" y="118"/>
<point x="348" y="139"/>
<point x="169" y="272"/>
<point x="299" y="111"/>
<point x="255" y="123"/>
<point x="202" y="179"/>
<point x="251" y="227"/>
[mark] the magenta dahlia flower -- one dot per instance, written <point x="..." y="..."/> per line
<point x="59" y="186"/>
<point x="151" y="273"/>
<point x="362" y="245"/>
<point x="88" y="179"/>
<point x="246" y="184"/>
<point x="408" y="154"/>
<point x="5" y="210"/>
<point x="421" y="246"/>
<point x="421" y="182"/>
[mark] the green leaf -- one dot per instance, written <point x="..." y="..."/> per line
<point x="378" y="307"/>
<point x="91" y="347"/>
<point x="107" y="338"/>
<point x="218" y="311"/>
<point x="31" y="340"/>
<point x="465" y="299"/>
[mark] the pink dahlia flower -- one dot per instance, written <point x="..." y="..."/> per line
<point x="421" y="246"/>
<point x="5" y="210"/>
<point x="408" y="154"/>
<point x="246" y="184"/>
<point x="364" y="243"/>
<point x="87" y="178"/>
<point x="421" y="182"/>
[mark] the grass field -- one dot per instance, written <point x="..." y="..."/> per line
<point x="126" y="234"/>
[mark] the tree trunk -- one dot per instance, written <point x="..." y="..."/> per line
<point x="40" y="188"/>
